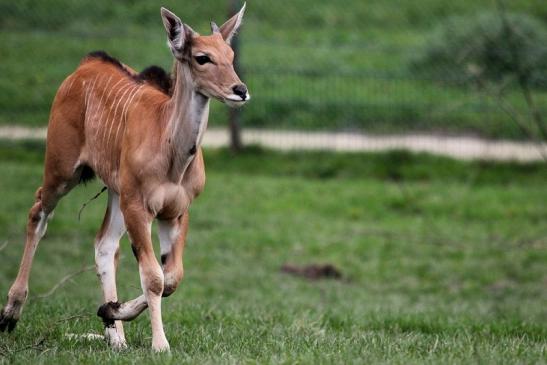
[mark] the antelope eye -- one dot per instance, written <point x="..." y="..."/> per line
<point x="203" y="59"/>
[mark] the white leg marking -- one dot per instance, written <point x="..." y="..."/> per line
<point x="18" y="292"/>
<point x="41" y="226"/>
<point x="168" y="234"/>
<point x="105" y="251"/>
<point x="107" y="245"/>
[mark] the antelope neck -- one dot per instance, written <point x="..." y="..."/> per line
<point x="188" y="114"/>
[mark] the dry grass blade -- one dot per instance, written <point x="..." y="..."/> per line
<point x="64" y="280"/>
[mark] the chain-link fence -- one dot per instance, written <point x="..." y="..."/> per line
<point x="354" y="66"/>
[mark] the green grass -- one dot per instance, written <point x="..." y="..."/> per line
<point x="308" y="66"/>
<point x="444" y="262"/>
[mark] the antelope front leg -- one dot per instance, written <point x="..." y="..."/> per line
<point x="172" y="234"/>
<point x="36" y="228"/>
<point x="138" y="223"/>
<point x="106" y="260"/>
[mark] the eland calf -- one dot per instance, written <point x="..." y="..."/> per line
<point x="141" y="135"/>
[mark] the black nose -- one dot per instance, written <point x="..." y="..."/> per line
<point x="241" y="91"/>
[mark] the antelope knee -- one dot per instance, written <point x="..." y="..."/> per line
<point x="17" y="295"/>
<point x="152" y="280"/>
<point x="35" y="216"/>
<point x="171" y="282"/>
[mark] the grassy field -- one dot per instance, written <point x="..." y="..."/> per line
<point x="309" y="66"/>
<point x="443" y="262"/>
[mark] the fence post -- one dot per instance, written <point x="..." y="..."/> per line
<point x="235" y="114"/>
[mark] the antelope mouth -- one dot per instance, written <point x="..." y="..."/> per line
<point x="236" y="100"/>
<point x="239" y="99"/>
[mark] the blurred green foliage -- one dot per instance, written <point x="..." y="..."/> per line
<point x="264" y="15"/>
<point x="484" y="45"/>
<point x="321" y="65"/>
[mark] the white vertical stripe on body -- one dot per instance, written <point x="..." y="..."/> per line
<point x="125" y="109"/>
<point x="70" y="81"/>
<point x="106" y="158"/>
<point x="106" y="101"/>
<point x="101" y="106"/>
<point x="129" y="89"/>
<point x="109" y="121"/>
<point x="87" y="101"/>
<point x="89" y="90"/>
<point x="92" y="107"/>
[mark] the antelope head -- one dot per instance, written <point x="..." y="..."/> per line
<point x="210" y="59"/>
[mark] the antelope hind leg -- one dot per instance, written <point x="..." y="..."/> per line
<point x="106" y="260"/>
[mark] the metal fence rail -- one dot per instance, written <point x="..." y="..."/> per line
<point x="462" y="148"/>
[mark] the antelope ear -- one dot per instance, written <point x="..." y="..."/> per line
<point x="178" y="33"/>
<point x="214" y="28"/>
<point x="230" y="28"/>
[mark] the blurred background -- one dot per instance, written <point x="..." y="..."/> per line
<point x="465" y="68"/>
<point x="331" y="229"/>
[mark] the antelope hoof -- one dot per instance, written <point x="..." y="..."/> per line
<point x="115" y="341"/>
<point x="127" y="311"/>
<point x="161" y="346"/>
<point x="8" y="319"/>
<point x="108" y="312"/>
